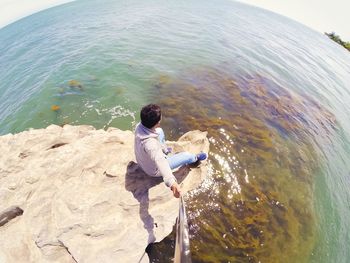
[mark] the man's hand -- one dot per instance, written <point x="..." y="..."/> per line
<point x="176" y="190"/>
<point x="167" y="150"/>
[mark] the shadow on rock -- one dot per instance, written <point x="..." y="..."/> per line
<point x="139" y="183"/>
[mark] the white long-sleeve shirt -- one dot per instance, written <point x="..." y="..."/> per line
<point x="149" y="155"/>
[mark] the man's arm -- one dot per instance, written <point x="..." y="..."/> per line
<point x="164" y="170"/>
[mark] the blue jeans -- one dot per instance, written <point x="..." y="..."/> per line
<point x="178" y="159"/>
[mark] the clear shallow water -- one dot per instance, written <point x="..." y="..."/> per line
<point x="273" y="95"/>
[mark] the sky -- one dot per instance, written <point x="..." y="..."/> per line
<point x="13" y="10"/>
<point x="320" y="15"/>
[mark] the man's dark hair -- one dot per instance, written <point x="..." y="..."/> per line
<point x="150" y="115"/>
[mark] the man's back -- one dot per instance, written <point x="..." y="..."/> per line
<point x="145" y="146"/>
<point x="149" y="154"/>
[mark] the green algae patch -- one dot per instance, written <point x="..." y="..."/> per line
<point x="257" y="203"/>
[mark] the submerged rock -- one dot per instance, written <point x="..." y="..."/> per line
<point x="257" y="202"/>
<point x="75" y="84"/>
<point x="83" y="196"/>
<point x="55" y="107"/>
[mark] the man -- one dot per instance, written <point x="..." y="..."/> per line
<point x="151" y="152"/>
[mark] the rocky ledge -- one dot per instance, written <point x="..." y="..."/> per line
<point x="75" y="194"/>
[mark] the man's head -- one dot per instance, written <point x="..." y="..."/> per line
<point x="150" y="115"/>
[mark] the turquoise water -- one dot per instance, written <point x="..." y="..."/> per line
<point x="128" y="53"/>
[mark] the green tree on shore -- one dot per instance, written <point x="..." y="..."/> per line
<point x="337" y="39"/>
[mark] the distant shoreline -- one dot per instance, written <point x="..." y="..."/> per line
<point x="338" y="40"/>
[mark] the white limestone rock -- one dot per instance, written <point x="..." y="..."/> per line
<point x="84" y="198"/>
